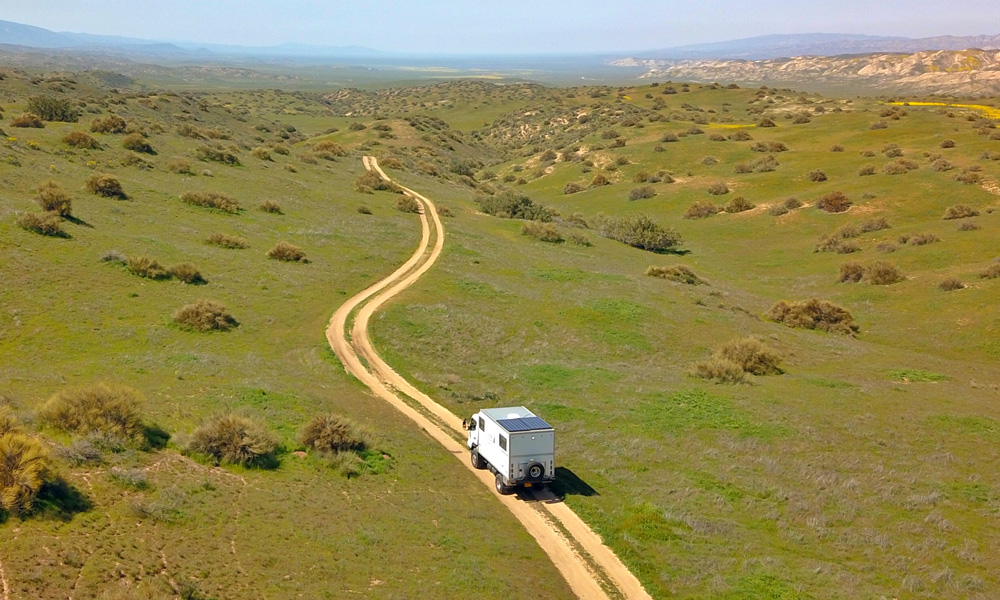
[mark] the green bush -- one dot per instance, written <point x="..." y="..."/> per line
<point x="236" y="440"/>
<point x="214" y="200"/>
<point x="331" y="434"/>
<point x="79" y="139"/>
<point x="49" y="223"/>
<point x="110" y="410"/>
<point x="814" y="314"/>
<point x="53" y="109"/>
<point x="205" y="315"/>
<point x="105" y="184"/>
<point x="511" y="204"/>
<point x="737" y="205"/>
<point x="544" y="232"/>
<point x="52" y="198"/>
<point x="24" y="469"/>
<point x="286" y="252"/>
<point x="146" y="267"/>
<point x="678" y="273"/>
<point x="638" y="231"/>
<point x="108" y="124"/>
<point x="407" y="204"/>
<point x="226" y="241"/>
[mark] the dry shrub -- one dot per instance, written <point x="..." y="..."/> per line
<point x="226" y="156"/>
<point x="990" y="272"/>
<point x="948" y="143"/>
<point x="850" y="273"/>
<point x="752" y="356"/>
<point x="921" y="239"/>
<point x="544" y="232"/>
<point x="24" y="469"/>
<point x="866" y="170"/>
<point x="331" y="434"/>
<point x="599" y="180"/>
<point x="678" y="273"/>
<point x="960" y="211"/>
<point x="700" y="210"/>
<point x="109" y="124"/>
<point x="740" y="136"/>
<point x="836" y="148"/>
<point x="718" y="189"/>
<point x="214" y="200"/>
<point x="205" y="315"/>
<point x="108" y="410"/>
<point x="179" y="166"/>
<point x="137" y="143"/>
<point x="572" y="187"/>
<point x="364" y="210"/>
<point x="899" y="167"/>
<point x="390" y="162"/>
<point x="719" y="370"/>
<point x="270" y="206"/>
<point x="52" y="198"/>
<point x="407" y="204"/>
<point x="8" y="422"/>
<point x="105" y="184"/>
<point x="236" y="440"/>
<point x="792" y="203"/>
<point x="737" y="205"/>
<point x="814" y="314"/>
<point x="261" y="153"/>
<point x="79" y="139"/>
<point x="286" y="252"/>
<point x="185" y="272"/>
<point x="969" y="226"/>
<point x="941" y="165"/>
<point x="969" y="177"/>
<point x="226" y="241"/>
<point x="834" y="202"/>
<point x="641" y="193"/>
<point x="876" y="224"/>
<point x="882" y="273"/>
<point x="950" y="284"/>
<point x="776" y="210"/>
<point x="817" y="175"/>
<point x="886" y="247"/>
<point x="49" y="223"/>
<point x="328" y="150"/>
<point x="371" y="181"/>
<point x="143" y="266"/>
<point x="27" y="120"/>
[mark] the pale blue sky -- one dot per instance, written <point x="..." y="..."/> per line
<point x="500" y="26"/>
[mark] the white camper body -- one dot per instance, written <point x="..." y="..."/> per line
<point x="514" y="444"/>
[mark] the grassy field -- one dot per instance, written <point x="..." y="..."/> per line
<point x="864" y="469"/>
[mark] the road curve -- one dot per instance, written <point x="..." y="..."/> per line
<point x="550" y="522"/>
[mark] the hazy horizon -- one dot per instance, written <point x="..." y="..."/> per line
<point x="514" y="27"/>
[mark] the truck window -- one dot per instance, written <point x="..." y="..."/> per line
<point x="482" y="424"/>
<point x="503" y="442"/>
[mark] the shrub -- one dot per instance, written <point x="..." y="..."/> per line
<point x="814" y="314"/>
<point x="850" y="273"/>
<point x="766" y="122"/>
<point x="886" y="247"/>
<point x="702" y="209"/>
<point x="881" y="124"/>
<point x="969" y="226"/>
<point x="545" y="232"/>
<point x="226" y="241"/>
<point x="720" y="370"/>
<point x="738" y="204"/>
<point x="950" y="284"/>
<point x="53" y="109"/>
<point x="205" y="315"/>
<point x="817" y="175"/>
<point x="213" y="200"/>
<point x="137" y="143"/>
<point x="836" y="148"/>
<point x="947" y="143"/>
<point x="776" y="210"/>
<point x="52" y="198"/>
<point x="105" y="184"/>
<point x="108" y="410"/>
<point x="968" y="177"/>
<point x="834" y="202"/>
<point x="407" y="204"/>
<point x="922" y="239"/>
<point x="511" y="204"/>
<point x="48" y="223"/>
<point x="217" y="154"/>
<point x="572" y="187"/>
<point x="286" y="252"/>
<point x="882" y="273"/>
<point x="678" y="273"/>
<point x="990" y="272"/>
<point x="236" y="440"/>
<point x="24" y="469"/>
<point x="27" y="120"/>
<point x="331" y="434"/>
<point x="941" y="165"/>
<point x="866" y="170"/>
<point x="271" y="207"/>
<point x="718" y="189"/>
<point x="364" y="210"/>
<point x="740" y="136"/>
<point x="187" y="273"/>
<point x="79" y="139"/>
<point x="792" y="203"/>
<point x="638" y="231"/>
<point x="328" y="150"/>
<point x="899" y="167"/>
<point x="371" y="181"/>
<point x="109" y="124"/>
<point x="752" y="356"/>
<point x="876" y="224"/>
<point x="770" y="146"/>
<point x="960" y="211"/>
<point x="149" y="268"/>
<point x="641" y="193"/>
<point x="8" y="422"/>
<point x="179" y="166"/>
<point x="261" y="153"/>
<point x="599" y="180"/>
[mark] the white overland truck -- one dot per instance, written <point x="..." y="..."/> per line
<point x="515" y="445"/>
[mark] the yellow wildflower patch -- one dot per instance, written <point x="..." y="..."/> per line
<point x="990" y="112"/>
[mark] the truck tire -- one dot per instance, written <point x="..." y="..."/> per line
<point x="535" y="471"/>
<point x="501" y="488"/>
<point x="478" y="462"/>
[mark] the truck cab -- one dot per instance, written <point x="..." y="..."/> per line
<point x="514" y="444"/>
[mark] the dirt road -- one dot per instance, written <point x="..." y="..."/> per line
<point x="591" y="568"/>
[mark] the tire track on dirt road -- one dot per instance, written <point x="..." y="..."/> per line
<point x="589" y="567"/>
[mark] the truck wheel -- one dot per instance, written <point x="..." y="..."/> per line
<point x="535" y="471"/>
<point x="501" y="488"/>
<point x="477" y="461"/>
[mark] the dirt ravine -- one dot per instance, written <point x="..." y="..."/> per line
<point x="557" y="529"/>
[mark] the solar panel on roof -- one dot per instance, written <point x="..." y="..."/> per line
<point x="523" y="424"/>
